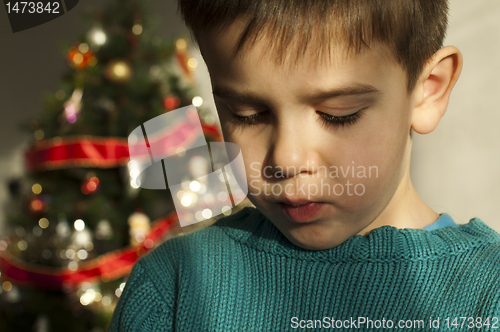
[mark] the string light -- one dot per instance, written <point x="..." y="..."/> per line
<point x="79" y="225"/>
<point x="103" y="230"/>
<point x="203" y="189"/>
<point x="73" y="105"/>
<point x="137" y="29"/>
<point x="133" y="164"/>
<point x="186" y="201"/>
<point x="139" y="227"/>
<point x="80" y="238"/>
<point x="119" y="290"/>
<point x="197" y="101"/>
<point x="62" y="228"/>
<point x="180" y="44"/>
<point x="207" y="213"/>
<point x="36" y="189"/>
<point x="73" y="266"/>
<point x="118" y="71"/>
<point x="7" y="286"/>
<point x="199" y="216"/>
<point x="226" y="210"/>
<point x="134" y="172"/>
<point x="78" y="58"/>
<point x="194" y="186"/>
<point x="106" y="300"/>
<point x="22" y="245"/>
<point x="90" y="185"/>
<point x="84" y="48"/>
<point x="70" y="254"/>
<point x="43" y="223"/>
<point x="88" y="297"/>
<point x="171" y="101"/>
<point x="82" y="254"/>
<point x="97" y="36"/>
<point x="192" y="63"/>
<point x="89" y="246"/>
<point x="135" y="183"/>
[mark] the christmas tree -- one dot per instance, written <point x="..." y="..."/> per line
<point x="79" y="220"/>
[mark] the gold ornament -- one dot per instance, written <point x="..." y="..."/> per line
<point x="118" y="71"/>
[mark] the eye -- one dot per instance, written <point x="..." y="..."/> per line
<point x="250" y="120"/>
<point x="340" y="121"/>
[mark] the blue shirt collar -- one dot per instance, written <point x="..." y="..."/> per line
<point x="444" y="220"/>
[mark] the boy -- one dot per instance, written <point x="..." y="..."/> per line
<point x="322" y="97"/>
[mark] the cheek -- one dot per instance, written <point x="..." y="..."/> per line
<point x="376" y="156"/>
<point x="253" y="160"/>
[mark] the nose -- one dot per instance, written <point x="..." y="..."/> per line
<point x="292" y="150"/>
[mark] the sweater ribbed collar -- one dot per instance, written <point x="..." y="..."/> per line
<point x="387" y="243"/>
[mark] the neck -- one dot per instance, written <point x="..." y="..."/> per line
<point x="405" y="210"/>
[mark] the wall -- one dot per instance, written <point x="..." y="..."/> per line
<point x="456" y="168"/>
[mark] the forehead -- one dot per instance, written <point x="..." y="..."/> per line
<point x="219" y="48"/>
<point x="318" y="45"/>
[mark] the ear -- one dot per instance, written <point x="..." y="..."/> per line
<point x="434" y="88"/>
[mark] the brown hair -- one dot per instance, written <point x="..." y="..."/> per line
<point x="412" y="29"/>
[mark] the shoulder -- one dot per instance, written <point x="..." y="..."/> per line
<point x="204" y="245"/>
<point x="476" y="239"/>
<point x="475" y="252"/>
<point x="141" y="306"/>
<point x="149" y="298"/>
<point x="227" y="231"/>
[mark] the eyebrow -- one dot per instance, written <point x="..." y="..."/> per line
<point x="354" y="90"/>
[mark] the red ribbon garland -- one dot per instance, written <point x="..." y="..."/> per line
<point x="109" y="266"/>
<point x="87" y="151"/>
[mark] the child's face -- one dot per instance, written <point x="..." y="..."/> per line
<point x="292" y="139"/>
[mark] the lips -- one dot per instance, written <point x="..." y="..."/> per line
<point x="301" y="210"/>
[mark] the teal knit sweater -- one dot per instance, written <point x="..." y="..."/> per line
<point x="242" y="274"/>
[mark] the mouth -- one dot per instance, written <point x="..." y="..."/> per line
<point x="302" y="211"/>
